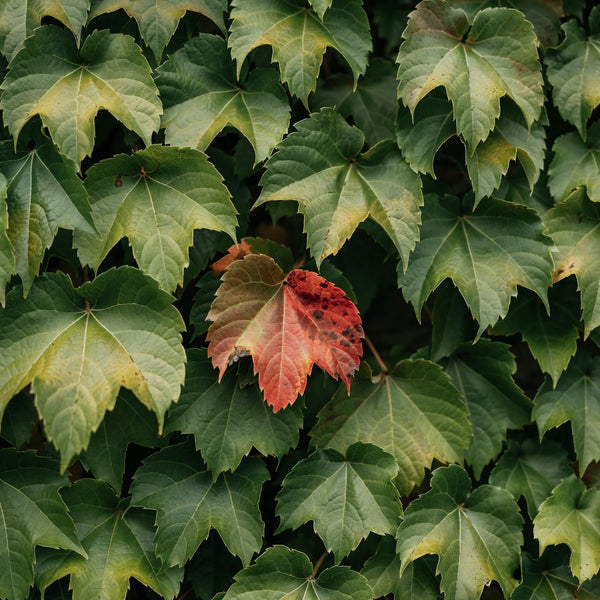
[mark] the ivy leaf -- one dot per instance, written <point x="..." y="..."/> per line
<point x="77" y="347"/>
<point x="345" y="497"/>
<point x="109" y="72"/>
<point x="7" y="253"/>
<point x="254" y="301"/>
<point x="281" y="573"/>
<point x="33" y="514"/>
<point x="531" y="469"/>
<point x="575" y="165"/>
<point x="477" y="63"/>
<point x="552" y="338"/>
<point x="483" y="372"/>
<point x="176" y="484"/>
<point x="44" y="193"/>
<point x="486" y="253"/>
<point x="158" y="21"/>
<point x="414" y="413"/>
<point x="19" y="18"/>
<point x="299" y="37"/>
<point x="118" y="543"/>
<point x="337" y="188"/>
<point x="477" y="536"/>
<point x="320" y="6"/>
<point x="155" y="198"/>
<point x="228" y="420"/>
<point x="575" y="398"/>
<point x="574" y="71"/>
<point x="128" y="423"/>
<point x="570" y="516"/>
<point x="202" y="96"/>
<point x="372" y="104"/>
<point x="575" y="228"/>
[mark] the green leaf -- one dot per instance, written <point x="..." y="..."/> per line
<point x="44" y="193"/>
<point x="574" y="72"/>
<point x="67" y="87"/>
<point x="18" y="420"/>
<point x="31" y="514"/>
<point x="77" y="347"/>
<point x="414" y="413"/>
<point x="483" y="372"/>
<point x="157" y="21"/>
<point x="531" y="469"/>
<point x="571" y="516"/>
<point x="7" y="253"/>
<point x="207" y="287"/>
<point x="227" y="420"/>
<point x="372" y="104"/>
<point x="320" y="6"/>
<point x="19" y="18"/>
<point x="552" y="338"/>
<point x="576" y="164"/>
<point x="336" y="187"/>
<point x="477" y="536"/>
<point x="155" y="198"/>
<point x="299" y="37"/>
<point x="575" y="228"/>
<point x="176" y="484"/>
<point x="128" y="423"/>
<point x="575" y="398"/>
<point x="486" y="253"/>
<point x="477" y="63"/>
<point x="281" y="573"/>
<point x="202" y="96"/>
<point x="118" y="543"/>
<point x="345" y="497"/>
<point x="418" y="581"/>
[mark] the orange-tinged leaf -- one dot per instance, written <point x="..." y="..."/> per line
<point x="235" y="252"/>
<point x="287" y="323"/>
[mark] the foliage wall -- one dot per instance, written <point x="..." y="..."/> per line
<point x="299" y="299"/>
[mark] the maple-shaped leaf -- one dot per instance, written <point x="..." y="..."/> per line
<point x="156" y="198"/>
<point x="575" y="229"/>
<point x="418" y="580"/>
<point x="531" y="469"/>
<point x="282" y="255"/>
<point x="158" y="21"/>
<point x="77" y="347"/>
<point x="346" y="497"/>
<point x="281" y="573"/>
<point x="372" y="105"/>
<point x="575" y="398"/>
<point x="7" y="253"/>
<point x="552" y="338"/>
<point x="189" y="502"/>
<point x="483" y="372"/>
<point x="549" y="578"/>
<point x="414" y="413"/>
<point x="571" y="516"/>
<point x="486" y="253"/>
<point x="128" y="423"/>
<point x="574" y="70"/>
<point x="338" y="187"/>
<point x="201" y="96"/>
<point x="43" y="194"/>
<point x="109" y="72"/>
<point x="299" y="37"/>
<point x="19" y="18"/>
<point x="477" y="62"/>
<point x="320" y="6"/>
<point x="477" y="536"/>
<point x="287" y="323"/>
<point x="118" y="542"/>
<point x="32" y="514"/>
<point x="228" y="420"/>
<point x="576" y="164"/>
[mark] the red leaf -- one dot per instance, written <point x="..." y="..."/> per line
<point x="287" y="324"/>
<point x="235" y="252"/>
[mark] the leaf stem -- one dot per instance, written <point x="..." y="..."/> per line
<point x="319" y="563"/>
<point x="376" y="355"/>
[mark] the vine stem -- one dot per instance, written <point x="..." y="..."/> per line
<point x="319" y="563"/>
<point x="376" y="354"/>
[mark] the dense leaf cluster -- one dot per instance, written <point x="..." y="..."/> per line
<point x="436" y="163"/>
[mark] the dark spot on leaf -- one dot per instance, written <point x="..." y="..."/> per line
<point x="323" y="284"/>
<point x="317" y="314"/>
<point x="333" y="335"/>
<point x="118" y="182"/>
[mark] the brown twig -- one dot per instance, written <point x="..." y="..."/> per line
<point x="319" y="563"/>
<point x="376" y="355"/>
